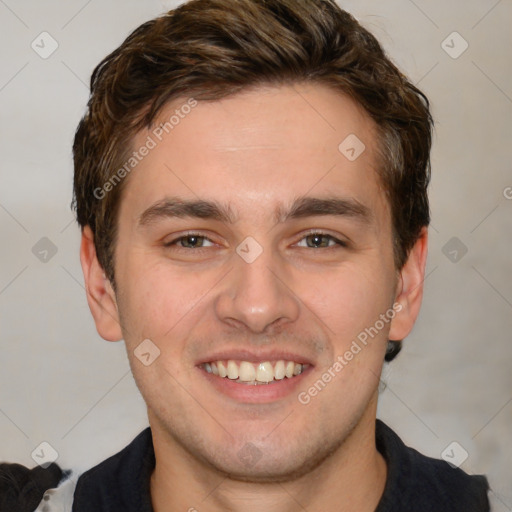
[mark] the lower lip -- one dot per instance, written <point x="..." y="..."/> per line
<point x="256" y="394"/>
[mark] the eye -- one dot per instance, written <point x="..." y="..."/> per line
<point x="190" y="241"/>
<point x="320" y="241"/>
<point x="314" y="240"/>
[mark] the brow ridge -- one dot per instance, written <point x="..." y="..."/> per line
<point x="301" y="207"/>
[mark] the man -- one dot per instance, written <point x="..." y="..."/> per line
<point x="251" y="182"/>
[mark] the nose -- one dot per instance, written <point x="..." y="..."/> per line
<point x="257" y="295"/>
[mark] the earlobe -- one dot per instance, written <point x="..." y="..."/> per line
<point x="410" y="289"/>
<point x="100" y="294"/>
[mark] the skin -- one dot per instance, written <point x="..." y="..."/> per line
<point x="257" y="151"/>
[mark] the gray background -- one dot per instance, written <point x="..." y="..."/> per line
<point x="60" y="383"/>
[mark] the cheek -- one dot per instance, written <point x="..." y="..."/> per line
<point x="159" y="303"/>
<point x="161" y="306"/>
<point x="348" y="300"/>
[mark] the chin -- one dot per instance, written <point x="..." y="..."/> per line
<point x="271" y="463"/>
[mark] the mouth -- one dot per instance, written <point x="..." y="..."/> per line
<point x="249" y="373"/>
<point x="247" y="378"/>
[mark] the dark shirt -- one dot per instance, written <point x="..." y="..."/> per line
<point x="415" y="483"/>
<point x="422" y="484"/>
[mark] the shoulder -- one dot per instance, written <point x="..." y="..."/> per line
<point x="120" y="482"/>
<point x="423" y="483"/>
<point x="120" y="464"/>
<point x="111" y="485"/>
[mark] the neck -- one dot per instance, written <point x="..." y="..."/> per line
<point x="353" y="478"/>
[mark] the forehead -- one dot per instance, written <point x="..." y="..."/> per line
<point x="258" y="150"/>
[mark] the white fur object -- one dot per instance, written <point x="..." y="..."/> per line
<point x="59" y="499"/>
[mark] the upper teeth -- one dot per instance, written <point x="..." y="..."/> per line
<point x="245" y="371"/>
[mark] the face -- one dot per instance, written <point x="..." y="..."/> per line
<point x="250" y="244"/>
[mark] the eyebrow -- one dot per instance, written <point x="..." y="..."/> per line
<point x="302" y="207"/>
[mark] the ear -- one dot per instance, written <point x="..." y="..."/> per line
<point x="410" y="289"/>
<point x="100" y="294"/>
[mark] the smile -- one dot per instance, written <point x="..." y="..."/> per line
<point x="245" y="372"/>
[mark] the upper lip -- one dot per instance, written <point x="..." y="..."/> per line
<point x="255" y="357"/>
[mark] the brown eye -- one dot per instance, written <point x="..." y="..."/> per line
<point x="191" y="241"/>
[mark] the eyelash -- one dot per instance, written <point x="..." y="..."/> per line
<point x="337" y="242"/>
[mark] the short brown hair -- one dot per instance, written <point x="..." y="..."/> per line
<point x="210" y="49"/>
